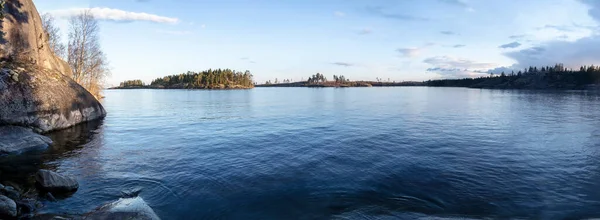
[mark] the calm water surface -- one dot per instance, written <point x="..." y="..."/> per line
<point x="353" y="153"/>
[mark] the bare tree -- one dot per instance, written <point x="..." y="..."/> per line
<point x="53" y="33"/>
<point x="85" y="56"/>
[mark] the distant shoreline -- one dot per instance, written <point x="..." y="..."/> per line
<point x="343" y="85"/>
<point x="234" y="87"/>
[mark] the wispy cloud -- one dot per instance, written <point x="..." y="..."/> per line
<point x="344" y="64"/>
<point x="459" y="45"/>
<point x="110" y="14"/>
<point x="378" y="11"/>
<point x="452" y="67"/>
<point x="459" y="3"/>
<point x="447" y="62"/>
<point x="413" y="51"/>
<point x="247" y="59"/>
<point x="448" y="32"/>
<point x="510" y="45"/>
<point x="339" y="14"/>
<point x="520" y="36"/>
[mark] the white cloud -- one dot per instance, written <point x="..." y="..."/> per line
<point x="110" y="14"/>
<point x="447" y="62"/>
<point x="580" y="51"/>
<point x="339" y="14"/>
<point x="451" y="67"/>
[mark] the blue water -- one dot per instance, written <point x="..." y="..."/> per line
<point x="351" y="153"/>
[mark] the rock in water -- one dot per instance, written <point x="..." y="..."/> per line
<point x="53" y="182"/>
<point x="129" y="208"/>
<point x="42" y="97"/>
<point x="16" y="140"/>
<point x="8" y="207"/>
<point x="11" y="193"/>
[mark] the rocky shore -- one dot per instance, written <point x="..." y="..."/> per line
<point x="37" y="98"/>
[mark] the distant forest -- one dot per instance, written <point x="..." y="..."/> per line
<point x="208" y="79"/>
<point x="132" y="83"/>
<point x="319" y="80"/>
<point x="549" y="77"/>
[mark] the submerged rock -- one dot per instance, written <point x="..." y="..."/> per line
<point x="125" y="208"/>
<point x="53" y="182"/>
<point x="16" y="140"/>
<point x="8" y="207"/>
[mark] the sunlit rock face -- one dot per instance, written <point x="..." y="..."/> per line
<point x="35" y="91"/>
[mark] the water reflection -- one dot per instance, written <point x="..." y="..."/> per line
<point x="68" y="143"/>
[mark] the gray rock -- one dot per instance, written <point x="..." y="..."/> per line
<point x="8" y="207"/>
<point x="125" y="208"/>
<point x="39" y="95"/>
<point x="53" y="182"/>
<point x="11" y="193"/>
<point x="16" y="140"/>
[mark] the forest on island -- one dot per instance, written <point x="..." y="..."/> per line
<point x="132" y="83"/>
<point x="208" y="79"/>
<point x="548" y="77"/>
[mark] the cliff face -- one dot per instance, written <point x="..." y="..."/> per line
<point x="36" y="92"/>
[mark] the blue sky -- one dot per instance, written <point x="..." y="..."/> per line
<point x="361" y="39"/>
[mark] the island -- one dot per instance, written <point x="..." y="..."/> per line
<point x="319" y="80"/>
<point x="547" y="77"/>
<point x="208" y="79"/>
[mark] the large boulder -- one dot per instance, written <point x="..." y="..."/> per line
<point x="37" y="93"/>
<point x="8" y="207"/>
<point x="22" y="29"/>
<point x="16" y="140"/>
<point x="124" y="208"/>
<point x="53" y="182"/>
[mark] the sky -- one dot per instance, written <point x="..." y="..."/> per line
<point x="396" y="40"/>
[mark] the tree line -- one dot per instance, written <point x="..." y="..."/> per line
<point x="547" y="77"/>
<point x="82" y="52"/>
<point x="132" y="83"/>
<point x="208" y="79"/>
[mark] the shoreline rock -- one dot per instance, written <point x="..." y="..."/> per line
<point x="8" y="207"/>
<point x="17" y="140"/>
<point x="53" y="182"/>
<point x="124" y="208"/>
<point x="35" y="90"/>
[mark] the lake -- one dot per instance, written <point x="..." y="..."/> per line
<point x="350" y="153"/>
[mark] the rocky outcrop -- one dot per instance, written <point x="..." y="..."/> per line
<point x="53" y="182"/>
<point x="16" y="140"/>
<point x="8" y="207"/>
<point x="124" y="208"/>
<point x="22" y="29"/>
<point x="36" y="92"/>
